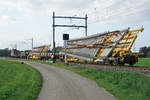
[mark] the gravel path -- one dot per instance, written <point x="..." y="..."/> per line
<point x="61" y="84"/>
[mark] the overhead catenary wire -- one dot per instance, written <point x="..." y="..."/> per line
<point x="120" y="12"/>
<point x="110" y="14"/>
<point x="116" y="12"/>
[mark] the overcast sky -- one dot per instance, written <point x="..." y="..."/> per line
<point x="20" y="20"/>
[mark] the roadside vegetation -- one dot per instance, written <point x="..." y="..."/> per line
<point x="18" y="81"/>
<point x="124" y="85"/>
<point x="143" y="62"/>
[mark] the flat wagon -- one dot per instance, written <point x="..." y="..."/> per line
<point x="109" y="47"/>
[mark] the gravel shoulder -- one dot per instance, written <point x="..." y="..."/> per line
<point x="61" y="84"/>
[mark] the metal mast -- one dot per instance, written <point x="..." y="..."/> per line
<point x="62" y="25"/>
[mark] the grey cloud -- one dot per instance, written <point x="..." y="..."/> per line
<point x="105" y="9"/>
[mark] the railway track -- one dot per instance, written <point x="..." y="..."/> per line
<point x="144" y="70"/>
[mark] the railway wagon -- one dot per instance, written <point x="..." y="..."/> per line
<point x="40" y="52"/>
<point x="109" y="47"/>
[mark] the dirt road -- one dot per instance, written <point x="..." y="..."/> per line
<point x="61" y="84"/>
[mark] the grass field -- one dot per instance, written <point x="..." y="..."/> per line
<point x="143" y="62"/>
<point x="124" y="85"/>
<point x="18" y="81"/>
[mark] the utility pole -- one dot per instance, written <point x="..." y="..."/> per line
<point x="54" y="58"/>
<point x="31" y="46"/>
<point x="66" y="17"/>
<point x="65" y="38"/>
<point x="65" y="44"/>
<point x="86" y="25"/>
<point x="32" y="42"/>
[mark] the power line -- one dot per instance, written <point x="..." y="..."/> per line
<point x="121" y="13"/>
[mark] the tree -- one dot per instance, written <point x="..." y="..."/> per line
<point x="148" y="54"/>
<point x="144" y="50"/>
<point x="5" y="52"/>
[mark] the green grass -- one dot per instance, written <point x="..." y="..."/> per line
<point x="124" y="85"/>
<point x="143" y="62"/>
<point x="18" y="81"/>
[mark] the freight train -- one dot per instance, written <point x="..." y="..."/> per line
<point x="110" y="47"/>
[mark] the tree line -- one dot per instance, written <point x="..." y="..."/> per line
<point x="146" y="51"/>
<point x="5" y="52"/>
